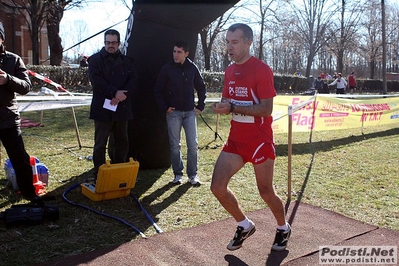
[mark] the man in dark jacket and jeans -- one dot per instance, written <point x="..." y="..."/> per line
<point x="174" y="92"/>
<point x="113" y="77"/>
<point x="14" y="79"/>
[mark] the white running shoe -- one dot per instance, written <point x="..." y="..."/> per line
<point x="178" y="179"/>
<point x="194" y="180"/>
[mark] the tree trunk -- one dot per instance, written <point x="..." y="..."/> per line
<point x="35" y="44"/>
<point x="372" y="69"/>
<point x="205" y="49"/>
<point x="310" y="62"/>
<point x="53" y="29"/>
<point x="340" y="60"/>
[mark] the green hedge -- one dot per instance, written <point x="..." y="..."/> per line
<point x="71" y="78"/>
<point x="76" y="79"/>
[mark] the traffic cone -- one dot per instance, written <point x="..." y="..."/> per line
<point x="39" y="185"/>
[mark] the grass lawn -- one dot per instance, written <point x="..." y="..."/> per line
<point x="345" y="171"/>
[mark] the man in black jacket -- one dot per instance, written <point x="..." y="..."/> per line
<point x="113" y="77"/>
<point x="174" y="92"/>
<point x="14" y="79"/>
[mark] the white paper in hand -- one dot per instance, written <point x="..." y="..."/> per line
<point x="107" y="105"/>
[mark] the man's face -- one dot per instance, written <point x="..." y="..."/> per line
<point x="237" y="48"/>
<point x="111" y="43"/>
<point x="179" y="55"/>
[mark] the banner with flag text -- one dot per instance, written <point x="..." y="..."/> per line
<point x="331" y="113"/>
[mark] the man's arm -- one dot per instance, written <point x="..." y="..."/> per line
<point x="159" y="90"/>
<point x="130" y="85"/>
<point x="18" y="80"/>
<point x="264" y="108"/>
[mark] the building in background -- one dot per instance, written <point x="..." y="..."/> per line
<point x="18" y="39"/>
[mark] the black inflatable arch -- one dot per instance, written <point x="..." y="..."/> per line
<point x="152" y="31"/>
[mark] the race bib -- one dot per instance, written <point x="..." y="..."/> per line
<point x="240" y="117"/>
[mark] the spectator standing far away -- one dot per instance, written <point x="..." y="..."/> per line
<point x="114" y="78"/>
<point x="83" y="62"/>
<point x="297" y="73"/>
<point x="174" y="92"/>
<point x="248" y="94"/>
<point x="352" y="82"/>
<point x="341" y="84"/>
<point x="14" y="79"/>
<point x="318" y="84"/>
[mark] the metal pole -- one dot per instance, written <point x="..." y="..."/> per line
<point x="384" y="50"/>
<point x="289" y="152"/>
<point x="76" y="128"/>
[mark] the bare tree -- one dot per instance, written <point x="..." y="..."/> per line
<point x="371" y="41"/>
<point x="392" y="38"/>
<point x="343" y="31"/>
<point x="267" y="18"/>
<point x="312" y="19"/>
<point x="209" y="33"/>
<point x="34" y="13"/>
<point x="55" y="14"/>
<point x="329" y="35"/>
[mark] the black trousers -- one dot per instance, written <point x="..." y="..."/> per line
<point x="116" y="133"/>
<point x="20" y="160"/>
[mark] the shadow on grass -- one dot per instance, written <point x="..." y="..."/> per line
<point x="315" y="147"/>
<point x="125" y="208"/>
<point x="300" y="193"/>
<point x="84" y="221"/>
<point x="9" y="193"/>
<point x="157" y="208"/>
<point x="101" y="226"/>
<point x="303" y="148"/>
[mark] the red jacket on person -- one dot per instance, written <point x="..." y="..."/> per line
<point x="352" y="80"/>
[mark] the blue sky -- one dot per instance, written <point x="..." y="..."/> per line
<point x="79" y="24"/>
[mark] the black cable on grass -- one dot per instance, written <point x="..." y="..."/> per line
<point x="95" y="211"/>
<point x="216" y="136"/>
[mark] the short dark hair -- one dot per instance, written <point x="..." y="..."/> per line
<point x="184" y="45"/>
<point x="247" y="32"/>
<point x="113" y="32"/>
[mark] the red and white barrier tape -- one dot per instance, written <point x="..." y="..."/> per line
<point x="49" y="81"/>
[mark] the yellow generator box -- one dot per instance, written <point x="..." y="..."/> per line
<point x="113" y="181"/>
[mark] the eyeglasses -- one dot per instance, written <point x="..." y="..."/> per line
<point x="111" y="43"/>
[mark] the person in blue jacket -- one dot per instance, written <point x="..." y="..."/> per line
<point x="14" y="79"/>
<point x="174" y="93"/>
<point x="113" y="78"/>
